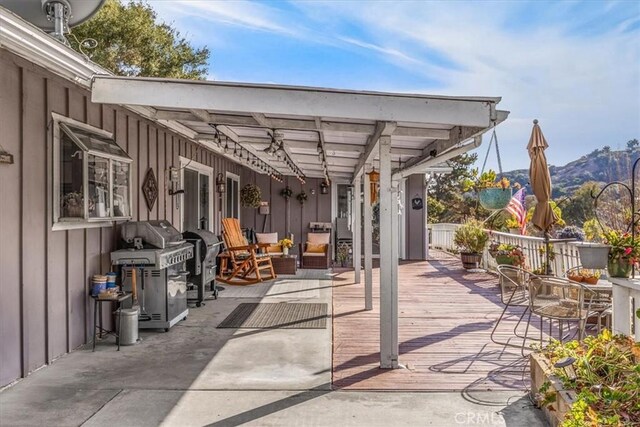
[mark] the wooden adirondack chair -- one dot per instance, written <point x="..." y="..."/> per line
<point x="246" y="262"/>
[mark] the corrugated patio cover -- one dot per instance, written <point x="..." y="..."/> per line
<point x="540" y="180"/>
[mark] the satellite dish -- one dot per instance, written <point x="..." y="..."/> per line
<point x="55" y="16"/>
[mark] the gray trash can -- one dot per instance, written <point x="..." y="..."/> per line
<point x="129" y="333"/>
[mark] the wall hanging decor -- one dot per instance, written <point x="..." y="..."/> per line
<point x="286" y="192"/>
<point x="302" y="197"/>
<point x="150" y="189"/>
<point x="416" y="203"/>
<point x="250" y="196"/>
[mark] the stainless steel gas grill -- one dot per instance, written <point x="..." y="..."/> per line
<point x="202" y="267"/>
<point x="154" y="256"/>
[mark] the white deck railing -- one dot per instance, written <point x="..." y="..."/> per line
<point x="566" y="254"/>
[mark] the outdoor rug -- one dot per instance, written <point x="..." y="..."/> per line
<point x="277" y="316"/>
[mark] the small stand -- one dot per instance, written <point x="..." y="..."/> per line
<point x="97" y="311"/>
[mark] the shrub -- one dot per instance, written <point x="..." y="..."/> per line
<point x="471" y="237"/>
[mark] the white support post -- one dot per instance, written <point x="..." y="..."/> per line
<point x="388" y="249"/>
<point x="368" y="242"/>
<point x="426" y="220"/>
<point x="357" y="227"/>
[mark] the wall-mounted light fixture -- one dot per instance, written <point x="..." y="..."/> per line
<point x="324" y="187"/>
<point x="220" y="187"/>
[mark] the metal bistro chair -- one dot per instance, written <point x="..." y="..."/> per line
<point x="602" y="303"/>
<point x="557" y="298"/>
<point x="513" y="293"/>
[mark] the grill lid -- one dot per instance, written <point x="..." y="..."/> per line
<point x="160" y="234"/>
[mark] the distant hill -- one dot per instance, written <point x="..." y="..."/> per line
<point x="603" y="165"/>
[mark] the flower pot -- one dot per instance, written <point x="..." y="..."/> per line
<point x="504" y="259"/>
<point x="593" y="255"/>
<point x="494" y="198"/>
<point x="590" y="280"/>
<point x="285" y="251"/>
<point x="575" y="277"/>
<point x="470" y="261"/>
<point x="619" y="267"/>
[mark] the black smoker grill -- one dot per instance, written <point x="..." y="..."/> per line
<point x="202" y="267"/>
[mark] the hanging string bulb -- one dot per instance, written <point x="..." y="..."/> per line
<point x="226" y="146"/>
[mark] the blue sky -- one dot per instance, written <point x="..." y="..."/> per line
<point x="573" y="65"/>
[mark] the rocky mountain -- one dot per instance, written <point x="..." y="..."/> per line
<point x="603" y="166"/>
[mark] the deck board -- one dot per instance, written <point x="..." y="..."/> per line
<point x="445" y="319"/>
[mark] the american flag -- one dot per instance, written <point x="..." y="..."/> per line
<point x="517" y="208"/>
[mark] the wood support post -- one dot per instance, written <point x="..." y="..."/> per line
<point x="357" y="227"/>
<point x="368" y="242"/>
<point x="388" y="264"/>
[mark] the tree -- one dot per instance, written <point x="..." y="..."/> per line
<point x="132" y="42"/>
<point x="580" y="207"/>
<point x="632" y="144"/>
<point x="449" y="191"/>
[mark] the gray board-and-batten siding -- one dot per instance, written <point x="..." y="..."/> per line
<point x="45" y="311"/>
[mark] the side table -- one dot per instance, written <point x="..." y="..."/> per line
<point x="97" y="311"/>
<point x="285" y="264"/>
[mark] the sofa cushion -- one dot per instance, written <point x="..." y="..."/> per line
<point x="267" y="237"/>
<point x="319" y="238"/>
<point x="313" y="254"/>
<point x="316" y="248"/>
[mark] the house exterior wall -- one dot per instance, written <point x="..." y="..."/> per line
<point x="44" y="306"/>
<point x="317" y="208"/>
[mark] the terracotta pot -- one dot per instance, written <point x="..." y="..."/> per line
<point x="590" y="280"/>
<point x="576" y="277"/>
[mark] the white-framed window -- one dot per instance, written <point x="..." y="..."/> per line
<point x="232" y="202"/>
<point x="91" y="176"/>
<point x="197" y="199"/>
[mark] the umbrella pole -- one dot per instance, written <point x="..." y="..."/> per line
<point x="548" y="263"/>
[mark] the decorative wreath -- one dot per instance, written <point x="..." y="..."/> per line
<point x="286" y="192"/>
<point x="250" y="196"/>
<point x="302" y="197"/>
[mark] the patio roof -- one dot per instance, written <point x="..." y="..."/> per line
<point x="344" y="125"/>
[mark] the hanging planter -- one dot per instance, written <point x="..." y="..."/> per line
<point x="495" y="198"/>
<point x="250" y="196"/>
<point x="593" y="255"/>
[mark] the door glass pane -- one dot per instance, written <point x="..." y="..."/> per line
<point x="98" y="179"/>
<point x="190" y="200"/>
<point x="204" y="202"/>
<point x="229" y="208"/>
<point x="121" y="206"/>
<point x="71" y="192"/>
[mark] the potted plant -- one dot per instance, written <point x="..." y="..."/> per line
<point x="571" y="232"/>
<point x="624" y="253"/>
<point x="286" y="245"/>
<point x="513" y="225"/>
<point x="286" y="192"/>
<point x="342" y="254"/>
<point x="590" y="277"/>
<point x="590" y="383"/>
<point x="302" y="197"/>
<point x="509" y="255"/>
<point x="471" y="239"/>
<point x="493" y="193"/>
<point x="250" y="196"/>
<point x="73" y="205"/>
<point x="593" y="253"/>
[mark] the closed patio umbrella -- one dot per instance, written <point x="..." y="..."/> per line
<point x="540" y="181"/>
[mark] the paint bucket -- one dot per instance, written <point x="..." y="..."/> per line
<point x="98" y="284"/>
<point x="111" y="280"/>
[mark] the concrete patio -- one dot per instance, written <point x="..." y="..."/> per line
<point x="199" y="375"/>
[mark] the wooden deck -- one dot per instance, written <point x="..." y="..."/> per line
<point x="445" y="319"/>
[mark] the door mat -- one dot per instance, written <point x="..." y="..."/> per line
<point x="277" y="316"/>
